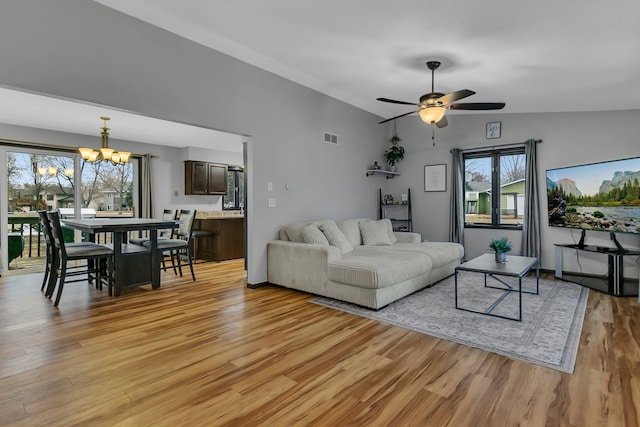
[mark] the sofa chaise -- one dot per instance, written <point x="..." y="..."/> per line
<point x="361" y="261"/>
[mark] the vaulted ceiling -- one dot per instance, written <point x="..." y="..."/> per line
<point x="537" y="56"/>
<point x="543" y="56"/>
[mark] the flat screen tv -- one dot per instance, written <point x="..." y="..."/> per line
<point x="598" y="196"/>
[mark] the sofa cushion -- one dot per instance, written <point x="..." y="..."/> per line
<point x="336" y="237"/>
<point x="375" y="267"/>
<point x="375" y="233"/>
<point x="312" y="234"/>
<point x="440" y="253"/>
<point x="351" y="230"/>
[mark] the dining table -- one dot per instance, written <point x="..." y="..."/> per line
<point x="123" y="253"/>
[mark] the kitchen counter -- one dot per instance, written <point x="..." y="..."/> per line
<point x="227" y="240"/>
<point x="219" y="214"/>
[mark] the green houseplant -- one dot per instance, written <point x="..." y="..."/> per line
<point x="393" y="155"/>
<point x="501" y="246"/>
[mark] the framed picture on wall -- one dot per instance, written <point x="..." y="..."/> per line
<point x="435" y="177"/>
<point x="493" y="130"/>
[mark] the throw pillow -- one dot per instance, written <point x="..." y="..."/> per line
<point x="294" y="231"/>
<point x="312" y="234"/>
<point x="392" y="236"/>
<point x="374" y="233"/>
<point x="351" y="230"/>
<point x="336" y="237"/>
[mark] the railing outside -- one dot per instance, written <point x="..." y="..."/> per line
<point x="26" y="243"/>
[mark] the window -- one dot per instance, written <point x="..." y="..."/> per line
<point x="38" y="179"/>
<point x="494" y="188"/>
<point x="234" y="198"/>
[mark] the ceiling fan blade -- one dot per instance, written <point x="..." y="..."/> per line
<point x="478" y="106"/>
<point x="443" y="122"/>
<point x="397" y="117"/>
<point x="393" y="101"/>
<point x="454" y="96"/>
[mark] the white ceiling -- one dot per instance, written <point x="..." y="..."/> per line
<point x="44" y="112"/>
<point x="537" y="56"/>
<point x="542" y="56"/>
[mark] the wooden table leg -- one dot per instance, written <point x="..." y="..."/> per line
<point x="117" y="264"/>
<point x="155" y="259"/>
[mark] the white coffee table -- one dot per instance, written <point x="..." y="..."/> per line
<point x="516" y="266"/>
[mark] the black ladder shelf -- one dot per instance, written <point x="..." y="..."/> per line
<point x="392" y="210"/>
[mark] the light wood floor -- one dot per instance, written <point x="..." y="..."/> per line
<point x="213" y="352"/>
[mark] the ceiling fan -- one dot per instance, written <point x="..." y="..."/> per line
<point x="433" y="105"/>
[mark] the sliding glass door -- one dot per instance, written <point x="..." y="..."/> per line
<point x="50" y="180"/>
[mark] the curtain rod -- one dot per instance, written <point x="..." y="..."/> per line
<point x="491" y="147"/>
<point x="43" y="145"/>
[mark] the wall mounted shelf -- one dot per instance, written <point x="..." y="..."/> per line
<point x="387" y="174"/>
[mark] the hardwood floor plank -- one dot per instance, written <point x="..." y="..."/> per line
<point x="213" y="352"/>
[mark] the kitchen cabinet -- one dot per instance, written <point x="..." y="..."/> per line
<point x="226" y="242"/>
<point x="204" y="178"/>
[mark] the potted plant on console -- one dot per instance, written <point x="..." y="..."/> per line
<point x="501" y="247"/>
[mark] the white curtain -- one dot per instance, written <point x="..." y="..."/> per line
<point x="531" y="222"/>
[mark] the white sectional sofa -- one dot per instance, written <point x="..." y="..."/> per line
<point x="360" y="260"/>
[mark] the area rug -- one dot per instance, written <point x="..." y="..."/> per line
<point x="548" y="335"/>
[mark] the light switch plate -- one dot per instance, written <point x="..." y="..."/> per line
<point x="272" y="203"/>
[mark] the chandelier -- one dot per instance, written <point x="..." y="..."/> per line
<point x="104" y="153"/>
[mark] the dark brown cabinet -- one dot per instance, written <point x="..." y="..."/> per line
<point x="227" y="241"/>
<point x="204" y="178"/>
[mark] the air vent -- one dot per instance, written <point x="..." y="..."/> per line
<point x="331" y="138"/>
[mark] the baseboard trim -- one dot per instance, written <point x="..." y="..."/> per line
<point x="257" y="285"/>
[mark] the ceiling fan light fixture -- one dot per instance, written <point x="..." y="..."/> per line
<point x="432" y="115"/>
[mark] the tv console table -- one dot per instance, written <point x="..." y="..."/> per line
<point x="613" y="283"/>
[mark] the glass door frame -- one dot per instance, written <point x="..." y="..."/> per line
<point x="7" y="146"/>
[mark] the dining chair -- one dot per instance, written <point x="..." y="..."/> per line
<point x="179" y="247"/>
<point x="50" y="252"/>
<point x="96" y="255"/>
<point x="167" y="233"/>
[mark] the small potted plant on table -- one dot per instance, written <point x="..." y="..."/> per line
<point x="501" y="247"/>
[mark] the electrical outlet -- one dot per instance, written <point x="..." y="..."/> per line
<point x="272" y="203"/>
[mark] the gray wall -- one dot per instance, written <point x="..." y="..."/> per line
<point x="82" y="50"/>
<point x="568" y="139"/>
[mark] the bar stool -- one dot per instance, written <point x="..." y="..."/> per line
<point x="199" y="234"/>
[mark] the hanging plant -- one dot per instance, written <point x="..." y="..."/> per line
<point x="395" y="138"/>
<point x="395" y="153"/>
